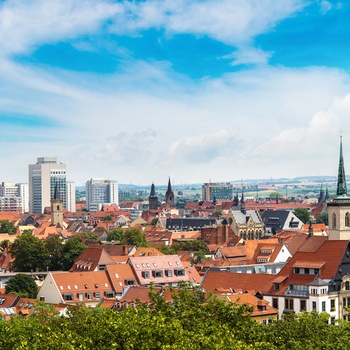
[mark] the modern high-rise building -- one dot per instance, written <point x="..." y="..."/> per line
<point x="219" y="191"/>
<point x="14" y="197"/>
<point x="100" y="192"/>
<point x="71" y="196"/>
<point x="43" y="177"/>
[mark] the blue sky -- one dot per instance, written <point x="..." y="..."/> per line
<point x="141" y="90"/>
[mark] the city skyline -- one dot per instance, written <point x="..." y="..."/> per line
<point x="195" y="90"/>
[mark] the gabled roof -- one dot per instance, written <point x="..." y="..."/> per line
<point x="326" y="258"/>
<point x="214" y="281"/>
<point x="121" y="276"/>
<point x="90" y="259"/>
<point x="242" y="218"/>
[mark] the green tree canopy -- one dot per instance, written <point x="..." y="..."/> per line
<point x="217" y="213"/>
<point x="135" y="236"/>
<point x="107" y="218"/>
<point x="30" y="254"/>
<point x="23" y="285"/>
<point x="196" y="245"/>
<point x="54" y="246"/>
<point x="322" y="218"/>
<point x="7" y="226"/>
<point x="116" y="235"/>
<point x="302" y="214"/>
<point x="71" y="250"/>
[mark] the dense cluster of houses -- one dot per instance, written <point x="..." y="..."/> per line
<point x="263" y="256"/>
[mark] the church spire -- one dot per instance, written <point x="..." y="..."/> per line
<point x="341" y="186"/>
<point x="153" y="190"/>
<point x="56" y="195"/>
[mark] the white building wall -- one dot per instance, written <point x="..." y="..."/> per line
<point x="50" y="291"/>
<point x="71" y="196"/>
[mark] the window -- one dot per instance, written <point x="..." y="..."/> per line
<point x="347" y="285"/>
<point x="145" y="274"/>
<point x="297" y="270"/>
<point x="179" y="272"/>
<point x="344" y="302"/>
<point x="275" y="303"/>
<point x="323" y="306"/>
<point x="316" y="271"/>
<point x="347" y="219"/>
<point x="289" y="304"/>
<point x="97" y="295"/>
<point x="306" y="271"/>
<point x="169" y="273"/>
<point x="67" y="296"/>
<point x="276" y="286"/>
<point x="334" y="220"/>
<point x="332" y="304"/>
<point x="109" y="294"/>
<point x="80" y="296"/>
<point x="332" y="320"/>
<point x="302" y="305"/>
<point x="88" y="296"/>
<point x="314" y="306"/>
<point x="130" y="282"/>
<point x="157" y="273"/>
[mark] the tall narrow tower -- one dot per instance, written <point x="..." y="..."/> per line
<point x="153" y="199"/>
<point x="339" y="208"/>
<point x="56" y="208"/>
<point x="169" y="196"/>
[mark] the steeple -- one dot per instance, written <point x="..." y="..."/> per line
<point x="169" y="196"/>
<point x="153" y="199"/>
<point x="341" y="186"/>
<point x="153" y="190"/>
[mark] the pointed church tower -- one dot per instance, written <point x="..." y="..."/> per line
<point x="153" y="199"/>
<point x="339" y="208"/>
<point x="169" y="196"/>
<point x="56" y="208"/>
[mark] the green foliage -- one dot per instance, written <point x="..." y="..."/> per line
<point x="275" y="195"/>
<point x="27" y="232"/>
<point x="302" y="214"/>
<point x="193" y="321"/>
<point x="322" y="218"/>
<point x="30" y="254"/>
<point x="7" y="226"/>
<point x="55" y="246"/>
<point x="135" y="236"/>
<point x="116" y="235"/>
<point x="196" y="245"/>
<point x="23" y="285"/>
<point x="89" y="236"/>
<point x="107" y="218"/>
<point x="71" y="250"/>
<point x="217" y="213"/>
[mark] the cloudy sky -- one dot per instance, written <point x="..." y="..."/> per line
<point x="141" y="90"/>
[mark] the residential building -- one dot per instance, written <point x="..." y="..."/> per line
<point x="217" y="191"/>
<point x="100" y="192"/>
<point x="43" y="177"/>
<point x="280" y="220"/>
<point x="14" y="196"/>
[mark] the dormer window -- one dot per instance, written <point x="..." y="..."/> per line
<point x="276" y="286"/>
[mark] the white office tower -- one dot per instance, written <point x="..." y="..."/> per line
<point x="101" y="192"/>
<point x="71" y="196"/>
<point x="43" y="177"/>
<point x="14" y="197"/>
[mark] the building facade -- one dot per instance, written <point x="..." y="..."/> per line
<point x="71" y="200"/>
<point x="43" y="177"/>
<point x="14" y="197"/>
<point x="219" y="191"/>
<point x="100" y="192"/>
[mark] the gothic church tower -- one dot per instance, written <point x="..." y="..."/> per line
<point x="56" y="209"/>
<point x="339" y="208"/>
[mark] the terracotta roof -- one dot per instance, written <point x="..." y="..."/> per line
<point x="8" y="300"/>
<point x="214" y="280"/>
<point x="75" y="283"/>
<point x="308" y="264"/>
<point x="121" y="275"/>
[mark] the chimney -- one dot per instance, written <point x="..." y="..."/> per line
<point x="42" y="298"/>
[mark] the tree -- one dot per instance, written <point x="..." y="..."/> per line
<point x="275" y="195"/>
<point x="135" y="236"/>
<point x="107" y="218"/>
<point x="322" y="218"/>
<point x="7" y="226"/>
<point x="71" y="250"/>
<point x="217" y="213"/>
<point x="55" y="246"/>
<point x="196" y="245"/>
<point x="302" y="214"/>
<point x="23" y="285"/>
<point x="116" y="235"/>
<point x="30" y="254"/>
